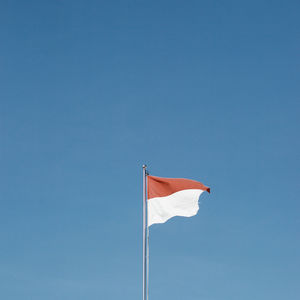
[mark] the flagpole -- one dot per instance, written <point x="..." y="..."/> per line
<point x="145" y="236"/>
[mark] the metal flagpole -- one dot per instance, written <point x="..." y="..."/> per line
<point x="147" y="243"/>
<point x="145" y="236"/>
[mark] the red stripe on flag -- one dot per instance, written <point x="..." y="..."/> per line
<point x="161" y="187"/>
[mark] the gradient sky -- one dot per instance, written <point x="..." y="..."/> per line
<point x="91" y="90"/>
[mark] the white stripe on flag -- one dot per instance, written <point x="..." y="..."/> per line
<point x="183" y="203"/>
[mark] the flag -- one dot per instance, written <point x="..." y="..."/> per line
<point x="170" y="197"/>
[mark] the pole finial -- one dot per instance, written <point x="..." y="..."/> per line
<point x="144" y="166"/>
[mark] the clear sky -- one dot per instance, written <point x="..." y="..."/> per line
<point x="91" y="90"/>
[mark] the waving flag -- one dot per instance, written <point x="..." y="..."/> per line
<point x="170" y="197"/>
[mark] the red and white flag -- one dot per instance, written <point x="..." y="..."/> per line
<point x="170" y="197"/>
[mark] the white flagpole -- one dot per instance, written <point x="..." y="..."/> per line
<point x="145" y="237"/>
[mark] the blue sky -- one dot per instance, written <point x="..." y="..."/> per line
<point x="91" y="90"/>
